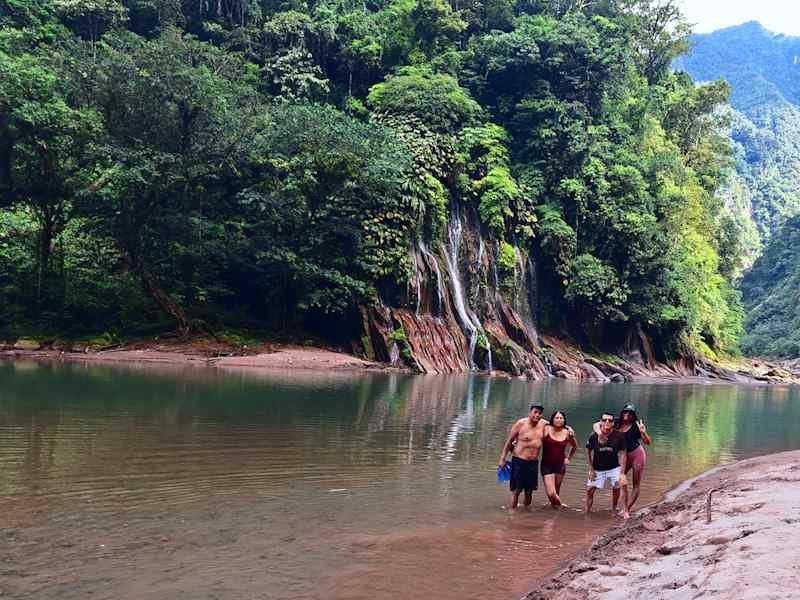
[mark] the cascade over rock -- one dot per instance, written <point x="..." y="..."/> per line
<point x="456" y="318"/>
<point x="459" y="314"/>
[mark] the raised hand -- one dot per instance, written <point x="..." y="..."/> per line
<point x="641" y="426"/>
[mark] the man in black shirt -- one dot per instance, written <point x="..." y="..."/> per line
<point x="606" y="455"/>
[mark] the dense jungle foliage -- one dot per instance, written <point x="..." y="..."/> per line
<point x="771" y="290"/>
<point x="266" y="165"/>
<point x="764" y="192"/>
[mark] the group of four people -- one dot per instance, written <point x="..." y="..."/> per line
<point x="613" y="449"/>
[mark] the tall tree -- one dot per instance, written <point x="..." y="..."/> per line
<point x="179" y="114"/>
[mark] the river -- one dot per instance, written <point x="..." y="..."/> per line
<point x="192" y="483"/>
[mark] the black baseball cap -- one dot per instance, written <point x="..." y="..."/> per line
<point x="629" y="408"/>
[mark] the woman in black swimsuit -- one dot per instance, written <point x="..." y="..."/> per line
<point x="635" y="432"/>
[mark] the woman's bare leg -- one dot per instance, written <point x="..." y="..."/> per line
<point x="559" y="480"/>
<point x="550" y="488"/>
<point x="637" y="484"/>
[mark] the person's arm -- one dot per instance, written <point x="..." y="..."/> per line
<point x="622" y="456"/>
<point x="512" y="435"/>
<point x="643" y="430"/>
<point x="596" y="427"/>
<point x="592" y="474"/>
<point x="572" y="450"/>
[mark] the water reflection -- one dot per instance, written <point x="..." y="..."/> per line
<point x="283" y="484"/>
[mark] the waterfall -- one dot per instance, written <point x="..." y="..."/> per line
<point x="518" y="274"/>
<point x="494" y="267"/>
<point x="418" y="278"/>
<point x="451" y="261"/>
<point x="468" y="319"/>
<point x="479" y="264"/>
<point x="394" y="355"/>
<point x="435" y="266"/>
<point x="481" y="251"/>
<point x="532" y="289"/>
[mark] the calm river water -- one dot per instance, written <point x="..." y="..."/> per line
<point x="194" y="484"/>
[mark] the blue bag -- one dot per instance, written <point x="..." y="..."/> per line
<point x="504" y="473"/>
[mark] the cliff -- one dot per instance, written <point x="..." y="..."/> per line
<point x="460" y="316"/>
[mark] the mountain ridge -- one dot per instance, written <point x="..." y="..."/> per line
<point x="763" y="191"/>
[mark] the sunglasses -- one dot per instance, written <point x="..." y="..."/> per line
<point x="607" y="420"/>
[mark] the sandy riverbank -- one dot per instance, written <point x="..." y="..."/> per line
<point x="748" y="550"/>
<point x="271" y="356"/>
<point x="209" y="355"/>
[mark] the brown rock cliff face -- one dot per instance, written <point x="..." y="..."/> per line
<point x="459" y="315"/>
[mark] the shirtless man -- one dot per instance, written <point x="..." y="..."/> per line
<point x="524" y="442"/>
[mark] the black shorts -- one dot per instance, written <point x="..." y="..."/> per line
<point x="552" y="470"/>
<point x="524" y="474"/>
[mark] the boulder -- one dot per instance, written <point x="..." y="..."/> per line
<point x="27" y="344"/>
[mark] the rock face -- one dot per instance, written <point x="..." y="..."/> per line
<point x="462" y="313"/>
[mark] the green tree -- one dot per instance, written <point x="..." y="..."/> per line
<point x="47" y="149"/>
<point x="180" y="115"/>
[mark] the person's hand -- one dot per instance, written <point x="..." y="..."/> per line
<point x="571" y="431"/>
<point x="502" y="463"/>
<point x="592" y="475"/>
<point x="623" y="480"/>
<point x="641" y="426"/>
<point x="566" y="461"/>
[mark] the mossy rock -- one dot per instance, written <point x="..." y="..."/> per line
<point x="504" y="354"/>
<point x="502" y="358"/>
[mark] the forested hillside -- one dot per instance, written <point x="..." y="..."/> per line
<point x="764" y="192"/>
<point x="297" y="167"/>
<point x="771" y="290"/>
<point x="764" y="72"/>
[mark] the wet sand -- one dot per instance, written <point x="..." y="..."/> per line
<point x="748" y="549"/>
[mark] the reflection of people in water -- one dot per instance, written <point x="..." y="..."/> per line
<point x="606" y="454"/>
<point x="635" y="432"/>
<point x="554" y="455"/>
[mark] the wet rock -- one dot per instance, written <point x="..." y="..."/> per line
<point x="584" y="567"/>
<point x="27" y="344"/>
<point x="589" y="372"/>
<point x="616" y="378"/>
<point x="668" y="549"/>
<point x="613" y="572"/>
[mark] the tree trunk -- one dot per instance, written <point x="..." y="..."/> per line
<point x="167" y="304"/>
<point x="46" y="232"/>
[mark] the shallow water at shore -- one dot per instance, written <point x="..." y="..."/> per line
<point x="191" y="483"/>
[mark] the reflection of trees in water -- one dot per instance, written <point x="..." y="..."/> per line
<point x="63" y="422"/>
